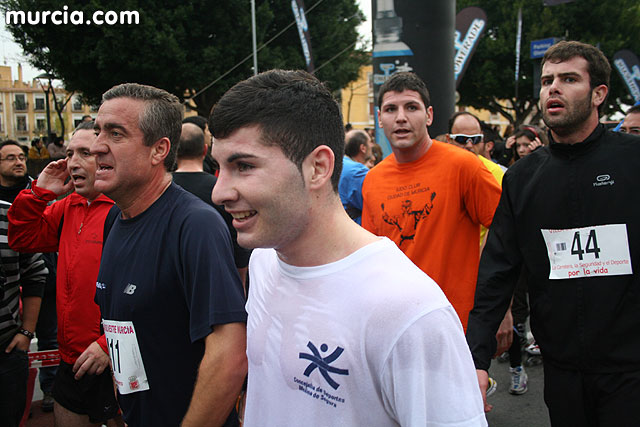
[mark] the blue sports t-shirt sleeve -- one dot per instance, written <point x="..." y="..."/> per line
<point x="211" y="281"/>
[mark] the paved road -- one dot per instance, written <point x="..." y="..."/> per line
<point x="527" y="410"/>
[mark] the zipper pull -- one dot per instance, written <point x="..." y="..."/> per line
<point x="80" y="229"/>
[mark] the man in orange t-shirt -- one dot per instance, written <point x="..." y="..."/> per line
<point x="429" y="197"/>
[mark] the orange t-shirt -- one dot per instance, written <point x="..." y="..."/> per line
<point x="432" y="209"/>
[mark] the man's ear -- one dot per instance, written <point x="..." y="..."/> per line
<point x="489" y="146"/>
<point x="363" y="148"/>
<point x="429" y="115"/>
<point x="317" y="168"/>
<point x="159" y="150"/>
<point x="599" y="94"/>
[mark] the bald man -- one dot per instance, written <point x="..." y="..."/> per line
<point x="358" y="149"/>
<point x="191" y="176"/>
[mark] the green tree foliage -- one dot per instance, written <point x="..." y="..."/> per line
<point x="490" y="79"/>
<point x="183" y="46"/>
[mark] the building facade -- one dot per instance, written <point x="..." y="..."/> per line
<point x="23" y="108"/>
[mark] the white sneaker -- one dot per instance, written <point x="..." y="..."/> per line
<point x="492" y="387"/>
<point x="533" y="349"/>
<point x="518" y="380"/>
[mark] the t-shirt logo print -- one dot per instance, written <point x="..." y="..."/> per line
<point x="323" y="363"/>
<point x="407" y="221"/>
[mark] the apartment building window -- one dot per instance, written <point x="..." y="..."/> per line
<point x="39" y="102"/>
<point x="41" y="124"/>
<point x="21" y="123"/>
<point x="76" y="103"/>
<point x="20" y="102"/>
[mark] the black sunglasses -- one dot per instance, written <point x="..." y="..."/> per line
<point x="463" y="139"/>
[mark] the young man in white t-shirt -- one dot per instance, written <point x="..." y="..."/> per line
<point x="343" y="328"/>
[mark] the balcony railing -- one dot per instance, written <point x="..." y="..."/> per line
<point x="20" y="105"/>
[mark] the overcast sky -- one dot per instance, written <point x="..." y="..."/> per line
<point x="11" y="54"/>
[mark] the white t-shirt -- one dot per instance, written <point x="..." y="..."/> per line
<point x="369" y="340"/>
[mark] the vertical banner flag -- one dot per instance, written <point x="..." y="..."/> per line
<point x="470" y="23"/>
<point x="390" y="54"/>
<point x="303" y="31"/>
<point x="628" y="65"/>
<point x="518" y="43"/>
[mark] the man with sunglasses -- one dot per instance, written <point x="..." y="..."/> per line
<point x="429" y="197"/>
<point x="465" y="132"/>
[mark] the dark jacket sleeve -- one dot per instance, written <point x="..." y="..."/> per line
<point x="500" y="266"/>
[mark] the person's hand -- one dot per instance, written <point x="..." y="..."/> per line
<point x="510" y="142"/>
<point x="536" y="143"/>
<point x="19" y="341"/>
<point x="53" y="178"/>
<point x="483" y="383"/>
<point x="504" y="337"/>
<point x="92" y="361"/>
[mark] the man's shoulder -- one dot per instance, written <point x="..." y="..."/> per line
<point x="351" y="167"/>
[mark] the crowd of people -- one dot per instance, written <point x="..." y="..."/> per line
<point x="310" y="279"/>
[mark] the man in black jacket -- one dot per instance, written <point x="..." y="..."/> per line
<point x="568" y="217"/>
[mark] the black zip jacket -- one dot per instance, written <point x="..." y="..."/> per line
<point x="590" y="324"/>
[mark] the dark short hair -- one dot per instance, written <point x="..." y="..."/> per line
<point x="84" y="126"/>
<point x="453" y="118"/>
<point x="490" y="134"/>
<point x="531" y="132"/>
<point x="160" y="118"/>
<point x="633" y="110"/>
<point x="199" y="121"/>
<point x="191" y="145"/>
<point x="10" y="142"/>
<point x="293" y="110"/>
<point x="401" y="81"/>
<point x="354" y="141"/>
<point x="598" y="64"/>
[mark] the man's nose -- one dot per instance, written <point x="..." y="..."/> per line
<point x="223" y="191"/>
<point x="98" y="146"/>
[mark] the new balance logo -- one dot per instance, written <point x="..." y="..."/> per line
<point x="323" y="364"/>
<point x="130" y="289"/>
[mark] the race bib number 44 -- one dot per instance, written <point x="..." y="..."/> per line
<point x="601" y="250"/>
<point x="126" y="360"/>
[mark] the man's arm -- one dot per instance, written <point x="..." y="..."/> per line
<point x="497" y="276"/>
<point x="34" y="226"/>
<point x="33" y="274"/>
<point x="481" y="192"/>
<point x="419" y="387"/>
<point x="220" y="376"/>
<point x="30" y="310"/>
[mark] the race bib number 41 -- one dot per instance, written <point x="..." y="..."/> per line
<point x="126" y="360"/>
<point x="601" y="250"/>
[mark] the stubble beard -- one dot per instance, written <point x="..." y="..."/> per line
<point x="572" y="120"/>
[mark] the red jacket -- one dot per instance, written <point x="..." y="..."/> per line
<point x="35" y="227"/>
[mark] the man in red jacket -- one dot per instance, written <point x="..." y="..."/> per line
<point x="83" y="388"/>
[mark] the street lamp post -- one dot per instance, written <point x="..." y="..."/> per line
<point x="46" y="91"/>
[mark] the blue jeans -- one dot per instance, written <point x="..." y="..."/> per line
<point x="14" y="373"/>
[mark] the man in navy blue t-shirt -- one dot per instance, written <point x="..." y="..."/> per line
<point x="171" y="299"/>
